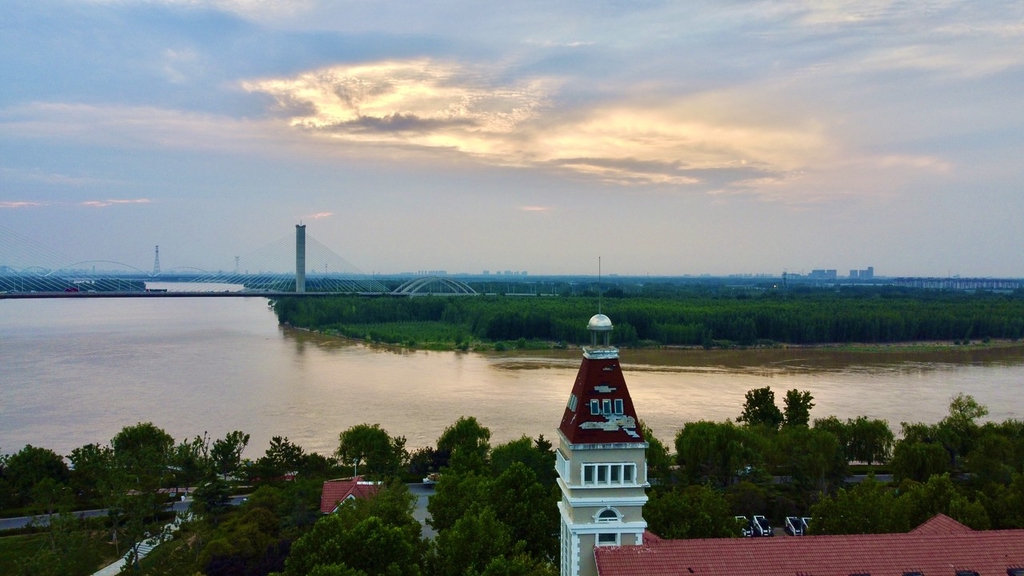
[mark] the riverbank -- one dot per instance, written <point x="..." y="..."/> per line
<point x="523" y="344"/>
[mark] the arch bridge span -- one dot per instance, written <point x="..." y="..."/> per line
<point x="434" y="285"/>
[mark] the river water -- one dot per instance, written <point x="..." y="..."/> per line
<point x="74" y="372"/>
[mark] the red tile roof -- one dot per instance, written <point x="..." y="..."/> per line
<point x="337" y="491"/>
<point x="600" y="380"/>
<point x="940" y="546"/>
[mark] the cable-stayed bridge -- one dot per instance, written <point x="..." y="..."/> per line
<point x="295" y="265"/>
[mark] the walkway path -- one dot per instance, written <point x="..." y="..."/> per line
<point x="146" y="547"/>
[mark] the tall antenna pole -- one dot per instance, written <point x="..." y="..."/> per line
<point x="598" y="284"/>
<point x="156" y="262"/>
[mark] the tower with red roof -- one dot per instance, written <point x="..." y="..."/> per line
<point x="601" y="464"/>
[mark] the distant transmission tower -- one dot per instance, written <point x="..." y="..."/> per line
<point x="156" y="262"/>
<point x="236" y="265"/>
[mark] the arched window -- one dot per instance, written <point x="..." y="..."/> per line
<point x="609" y="515"/>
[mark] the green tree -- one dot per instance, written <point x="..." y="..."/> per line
<point x="812" y="457"/>
<point x="659" y="462"/>
<point x="191" y="462"/>
<point x="91" y="465"/>
<point x="335" y="570"/>
<point x="917" y="460"/>
<point x="991" y="460"/>
<point x="248" y="539"/>
<point x="453" y="496"/>
<point x="693" y="512"/>
<point x="1005" y="503"/>
<point x="212" y="496"/>
<point x="959" y="430"/>
<point x="528" y="508"/>
<point x="469" y="546"/>
<point x="939" y="495"/>
<point x="66" y="550"/>
<point x="393" y="504"/>
<point x="47" y="496"/>
<point x="867" y="508"/>
<point x="143" y="447"/>
<point x="141" y="454"/>
<point x="281" y="457"/>
<point x="227" y="452"/>
<point x="798" y="406"/>
<point x="467" y="443"/>
<point x="371" y="445"/>
<point x="30" y="466"/>
<point x="519" y="565"/>
<point x="759" y="409"/>
<point x="537" y="455"/>
<point x="377" y="536"/>
<point x="717" y="452"/>
<point x="747" y="499"/>
<point x="370" y="546"/>
<point x="869" y="440"/>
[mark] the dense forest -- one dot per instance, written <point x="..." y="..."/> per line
<point x="696" y="316"/>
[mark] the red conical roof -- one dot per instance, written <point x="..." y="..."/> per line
<point x="600" y="410"/>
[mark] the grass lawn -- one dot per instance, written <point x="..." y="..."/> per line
<point x="96" y="552"/>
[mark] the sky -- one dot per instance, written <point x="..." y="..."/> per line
<point x="666" y="138"/>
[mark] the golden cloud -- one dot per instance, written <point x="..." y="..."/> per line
<point x="446" y="107"/>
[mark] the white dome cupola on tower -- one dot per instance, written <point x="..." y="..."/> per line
<point x="599" y="323"/>
<point x="600" y="327"/>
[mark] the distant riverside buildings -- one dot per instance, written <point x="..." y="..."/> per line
<point x="831" y="274"/>
<point x="866" y="274"/>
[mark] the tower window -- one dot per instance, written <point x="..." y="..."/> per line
<point x="619" y="474"/>
<point x="608" y="515"/>
<point x="607" y="539"/>
<point x="572" y="402"/>
<point x="595" y="407"/>
<point x="606" y="407"/>
<point x="618" y="406"/>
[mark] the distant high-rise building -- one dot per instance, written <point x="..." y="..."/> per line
<point x="854" y="273"/>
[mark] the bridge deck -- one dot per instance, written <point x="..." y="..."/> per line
<point x="170" y="294"/>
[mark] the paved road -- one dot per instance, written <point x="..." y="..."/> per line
<point x="423" y="492"/>
<point x="44" y="519"/>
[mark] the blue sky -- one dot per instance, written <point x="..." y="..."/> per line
<point x="667" y="138"/>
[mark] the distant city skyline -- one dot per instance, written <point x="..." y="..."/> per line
<point x="669" y="139"/>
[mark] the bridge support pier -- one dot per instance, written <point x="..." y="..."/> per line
<point x="300" y="258"/>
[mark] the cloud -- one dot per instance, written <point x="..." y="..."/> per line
<point x="418" y="95"/>
<point x="254" y="9"/>
<point x="19" y="204"/>
<point x="36" y="175"/>
<point x="443" y="106"/>
<point x="105" y="203"/>
<point x="318" y="216"/>
<point x="130" y="127"/>
<point x="535" y="208"/>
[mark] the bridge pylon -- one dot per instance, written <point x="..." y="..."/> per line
<point x="300" y="258"/>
